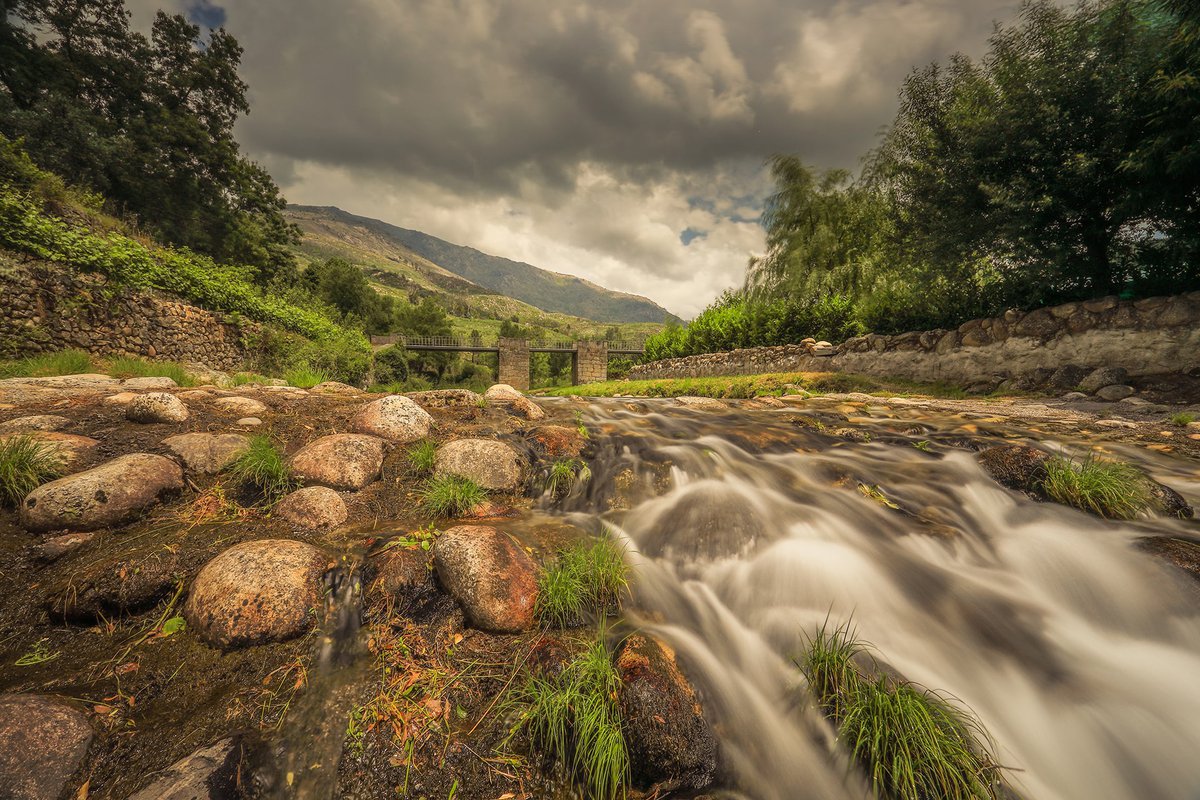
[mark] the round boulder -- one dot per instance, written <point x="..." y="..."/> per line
<point x="501" y="394"/>
<point x="152" y="382"/>
<point x="43" y="745"/>
<point x="343" y="461"/>
<point x="493" y="579"/>
<point x="241" y="406"/>
<point x="701" y="403"/>
<point x="156" y="407"/>
<point x="1016" y="466"/>
<point x="446" y="398"/>
<point x="492" y="464"/>
<point x="256" y="592"/>
<point x="556" y="441"/>
<point x="1098" y="378"/>
<point x="106" y="495"/>
<point x="395" y="418"/>
<point x="109" y="587"/>
<point x="69" y="447"/>
<point x="528" y="409"/>
<point x="1114" y="392"/>
<point x="207" y="453"/>
<point x="312" y="508"/>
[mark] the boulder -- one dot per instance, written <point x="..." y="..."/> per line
<point x="312" y="508"/>
<point x="120" y="399"/>
<point x="67" y="446"/>
<point x="670" y="742"/>
<point x="395" y="418"/>
<point x="214" y="772"/>
<point x="492" y="464"/>
<point x="1098" y="378"/>
<point x="1015" y="466"/>
<point x="255" y="592"/>
<point x="196" y="394"/>
<point x="249" y="422"/>
<point x="1169" y="502"/>
<point x="43" y="746"/>
<point x="1114" y="392"/>
<point x="109" y="494"/>
<point x="446" y="398"/>
<point x="334" y="387"/>
<point x="501" y="394"/>
<point x="156" y="407"/>
<point x="110" y="587"/>
<point x="1067" y="376"/>
<point x="240" y="406"/>
<point x="343" y="461"/>
<point x="527" y="409"/>
<point x="556" y="441"/>
<point x="38" y="422"/>
<point x="701" y="403"/>
<point x="493" y="579"/>
<point x="56" y="547"/>
<point x="157" y="383"/>
<point x="207" y="453"/>
<point x="403" y="577"/>
<point x="1073" y="397"/>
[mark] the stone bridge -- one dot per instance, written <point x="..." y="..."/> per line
<point x="589" y="359"/>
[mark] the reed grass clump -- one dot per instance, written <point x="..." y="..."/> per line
<point x="910" y="743"/>
<point x="133" y="367"/>
<point x="304" y="377"/>
<point x="573" y="717"/>
<point x="1110" y="489"/>
<point x="46" y="365"/>
<point x="584" y="580"/>
<point x="451" y="495"/>
<point x="25" y="464"/>
<point x="421" y="457"/>
<point x="263" y="467"/>
<point x="564" y="474"/>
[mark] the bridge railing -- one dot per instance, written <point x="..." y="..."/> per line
<point x="466" y="343"/>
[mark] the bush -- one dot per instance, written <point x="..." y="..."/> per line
<point x="264" y="468"/>
<point x="584" y="579"/>
<point x="62" y="362"/>
<point x="131" y="367"/>
<point x="1108" y="488"/>
<point x="25" y="464"/>
<point x="451" y="495"/>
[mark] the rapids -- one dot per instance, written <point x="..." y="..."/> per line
<point x="747" y="529"/>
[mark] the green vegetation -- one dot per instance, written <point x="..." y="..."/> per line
<point x="245" y="378"/>
<point x="1108" y="488"/>
<point x="573" y="716"/>
<point x="564" y="474"/>
<point x="45" y="365"/>
<point x="1183" y="419"/>
<point x="25" y="464"/>
<point x="911" y="744"/>
<point x="264" y="468"/>
<point x="585" y="579"/>
<point x="767" y="384"/>
<point x="304" y="377"/>
<point x="451" y="495"/>
<point x="132" y="367"/>
<point x="973" y="202"/>
<point x="421" y="456"/>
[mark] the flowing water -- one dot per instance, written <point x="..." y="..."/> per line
<point x="1078" y="653"/>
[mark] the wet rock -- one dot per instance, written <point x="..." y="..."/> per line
<point x="343" y="461"/>
<point x="255" y="592"/>
<point x="207" y="453"/>
<point x="669" y="740"/>
<point x="43" y="745"/>
<point x="556" y="441"/>
<point x="1183" y="554"/>
<point x="492" y="464"/>
<point x="241" y="406"/>
<point x="1100" y="377"/>
<point x="107" y="588"/>
<point x="312" y="508"/>
<point x="1067" y="376"/>
<point x="501" y="394"/>
<point x="395" y="418"/>
<point x="403" y="577"/>
<point x="1015" y="466"/>
<point x="214" y="772"/>
<point x="527" y="409"/>
<point x="549" y="657"/>
<point x="109" y="494"/>
<point x="56" y="547"/>
<point x="1114" y="392"/>
<point x="158" y="383"/>
<point x="38" y="422"/>
<point x="446" y="398"/>
<point x="701" y="403"/>
<point x="1169" y="502"/>
<point x="67" y="446"/>
<point x="493" y="579"/>
<point x="156" y="407"/>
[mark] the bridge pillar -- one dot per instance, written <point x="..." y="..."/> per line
<point x="514" y="363"/>
<point x="591" y="362"/>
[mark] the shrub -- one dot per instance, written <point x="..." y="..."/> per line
<point x="451" y="495"/>
<point x="573" y="716"/>
<point x="1183" y="419"/>
<point x="1108" y="488"/>
<point x="263" y="467"/>
<point x="25" y="464"/>
<point x="132" y="367"/>
<point x="44" y="365"/>
<point x="304" y="377"/>
<point x="584" y="579"/>
<point x="421" y="456"/>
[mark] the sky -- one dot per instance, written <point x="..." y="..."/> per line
<point x="623" y="141"/>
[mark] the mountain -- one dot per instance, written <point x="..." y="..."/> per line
<point x="549" y="291"/>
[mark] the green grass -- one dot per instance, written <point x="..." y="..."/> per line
<point x="1183" y="419"/>
<point x="304" y="377"/>
<point x="767" y="384"/>
<point x="133" y="367"/>
<point x="573" y="717"/>
<point x="264" y="468"/>
<point x="421" y="456"/>
<point x="1110" y="489"/>
<point x="244" y="378"/>
<point x="585" y="579"/>
<point x="46" y="365"/>
<point x="910" y="743"/>
<point x="564" y="474"/>
<point x="450" y="495"/>
<point x="25" y="464"/>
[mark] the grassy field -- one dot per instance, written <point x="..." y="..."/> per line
<point x="744" y="386"/>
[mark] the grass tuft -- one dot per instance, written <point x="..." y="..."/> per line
<point x="304" y="377"/>
<point x="1110" y="489"/>
<point x="573" y="717"/>
<point x="25" y="464"/>
<point x="564" y="475"/>
<point x="46" y="365"/>
<point x="263" y="467"/>
<point x="133" y="367"/>
<point x="244" y="378"/>
<point x="911" y="744"/>
<point x="1183" y="419"/>
<point x="421" y="457"/>
<point x="584" y="579"/>
<point x="451" y="495"/>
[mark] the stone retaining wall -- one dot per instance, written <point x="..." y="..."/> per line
<point x="46" y="308"/>
<point x="1157" y="335"/>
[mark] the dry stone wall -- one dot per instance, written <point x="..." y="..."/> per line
<point x="1157" y="335"/>
<point x="47" y="308"/>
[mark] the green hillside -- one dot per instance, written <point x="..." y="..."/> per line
<point x="549" y="291"/>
